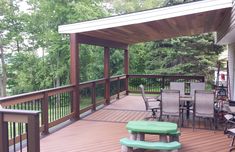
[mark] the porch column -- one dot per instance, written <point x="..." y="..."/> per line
<point x="231" y="62"/>
<point x="126" y="69"/>
<point x="107" y="74"/>
<point x="75" y="74"/>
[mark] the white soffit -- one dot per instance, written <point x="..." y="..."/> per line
<point x="146" y="16"/>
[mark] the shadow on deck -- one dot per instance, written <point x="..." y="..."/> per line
<point x="102" y="130"/>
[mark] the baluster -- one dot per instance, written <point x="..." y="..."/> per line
<point x="93" y="97"/>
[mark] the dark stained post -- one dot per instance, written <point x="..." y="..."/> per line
<point x="126" y="69"/>
<point x="118" y="88"/>
<point x="3" y="134"/>
<point x="106" y="74"/>
<point x="33" y="133"/>
<point x="75" y="73"/>
<point x="93" y="97"/>
<point x="45" y="114"/>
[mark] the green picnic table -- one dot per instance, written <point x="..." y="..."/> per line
<point x="139" y="128"/>
<point x="154" y="127"/>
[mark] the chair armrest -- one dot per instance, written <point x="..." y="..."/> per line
<point x="153" y="99"/>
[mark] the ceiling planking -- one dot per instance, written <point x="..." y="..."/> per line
<point x="167" y="28"/>
<point x="181" y="20"/>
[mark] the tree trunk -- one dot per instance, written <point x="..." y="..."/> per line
<point x="3" y="76"/>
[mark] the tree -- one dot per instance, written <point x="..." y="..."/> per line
<point x="195" y="55"/>
<point x="11" y="36"/>
<point x="123" y="6"/>
<point x="41" y="25"/>
<point x="176" y="2"/>
<point x="183" y="55"/>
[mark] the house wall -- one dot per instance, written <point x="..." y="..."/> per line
<point x="225" y="34"/>
<point x="1" y="90"/>
<point x="231" y="61"/>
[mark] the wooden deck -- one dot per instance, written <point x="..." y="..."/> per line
<point x="102" y="130"/>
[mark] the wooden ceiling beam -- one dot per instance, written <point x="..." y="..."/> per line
<point x="84" y="39"/>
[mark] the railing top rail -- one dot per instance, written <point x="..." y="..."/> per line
<point x="98" y="80"/>
<point x="19" y="112"/>
<point x="166" y="75"/>
<point x="34" y="93"/>
<point x="92" y="81"/>
<point x="116" y="76"/>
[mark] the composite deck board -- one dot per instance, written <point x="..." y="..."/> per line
<point x="102" y="130"/>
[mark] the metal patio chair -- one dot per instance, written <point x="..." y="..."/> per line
<point x="204" y="105"/>
<point x="151" y="103"/>
<point x="178" y="86"/>
<point x="196" y="86"/>
<point x="170" y="105"/>
<point x="230" y="129"/>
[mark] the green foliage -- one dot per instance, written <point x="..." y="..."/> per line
<point x="91" y="62"/>
<point x="40" y="29"/>
<point x="22" y="76"/>
<point x="116" y="62"/>
<point x="123" y="6"/>
<point x="183" y="55"/>
<point x="195" y="55"/>
<point x="23" y="34"/>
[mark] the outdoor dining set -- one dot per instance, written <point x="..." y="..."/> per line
<point x="172" y="102"/>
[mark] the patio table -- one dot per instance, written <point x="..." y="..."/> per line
<point x="140" y="128"/>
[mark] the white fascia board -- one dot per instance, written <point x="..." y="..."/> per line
<point x="146" y="16"/>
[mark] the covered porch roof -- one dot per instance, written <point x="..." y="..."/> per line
<point x="156" y="24"/>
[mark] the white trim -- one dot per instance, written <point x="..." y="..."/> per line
<point x="146" y="16"/>
<point x="231" y="61"/>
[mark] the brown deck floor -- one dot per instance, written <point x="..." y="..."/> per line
<point x="102" y="130"/>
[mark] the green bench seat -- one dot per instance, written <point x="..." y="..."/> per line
<point x="128" y="145"/>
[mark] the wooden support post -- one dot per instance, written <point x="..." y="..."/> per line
<point x="126" y="69"/>
<point x="93" y="96"/>
<point x="3" y="134"/>
<point x="118" y="87"/>
<point x="33" y="133"/>
<point x="107" y="74"/>
<point x="45" y="114"/>
<point x="75" y="73"/>
<point x="203" y="79"/>
<point x="163" y="82"/>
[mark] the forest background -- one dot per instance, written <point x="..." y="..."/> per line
<point x="34" y="56"/>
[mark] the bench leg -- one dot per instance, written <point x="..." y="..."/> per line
<point x="173" y="138"/>
<point x="126" y="149"/>
<point x="163" y="138"/>
<point x="133" y="136"/>
<point x="140" y="136"/>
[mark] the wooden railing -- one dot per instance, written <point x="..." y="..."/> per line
<point x="25" y="126"/>
<point x="56" y="105"/>
<point x="154" y="83"/>
<point x="92" y="93"/>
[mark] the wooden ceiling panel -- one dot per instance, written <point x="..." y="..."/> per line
<point x="161" y="29"/>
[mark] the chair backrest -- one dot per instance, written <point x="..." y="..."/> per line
<point x="170" y="102"/>
<point x="196" y="86"/>
<point x="204" y="103"/>
<point x="144" y="97"/>
<point x="177" y="86"/>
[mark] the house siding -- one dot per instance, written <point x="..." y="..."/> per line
<point x="224" y="34"/>
<point x="231" y="61"/>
